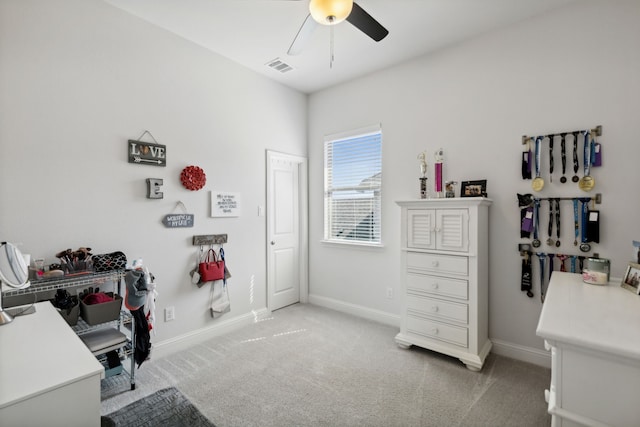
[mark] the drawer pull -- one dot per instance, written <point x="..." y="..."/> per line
<point x="435" y="285"/>
<point x="434" y="331"/>
<point x="434" y="263"/>
<point x="434" y="308"/>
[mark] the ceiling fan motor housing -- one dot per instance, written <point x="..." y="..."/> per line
<point x="330" y="12"/>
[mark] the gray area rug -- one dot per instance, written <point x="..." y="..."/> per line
<point x="167" y="408"/>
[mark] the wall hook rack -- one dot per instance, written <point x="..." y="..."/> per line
<point x="597" y="131"/>
<point x="209" y="239"/>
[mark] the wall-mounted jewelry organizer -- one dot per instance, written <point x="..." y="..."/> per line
<point x="542" y="215"/>
<point x="596" y="130"/>
<point x="591" y="156"/>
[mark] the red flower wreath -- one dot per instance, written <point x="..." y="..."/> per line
<point x="193" y="178"/>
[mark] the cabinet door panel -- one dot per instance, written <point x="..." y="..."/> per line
<point x="452" y="230"/>
<point x="421" y="228"/>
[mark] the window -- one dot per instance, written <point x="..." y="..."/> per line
<point x="352" y="184"/>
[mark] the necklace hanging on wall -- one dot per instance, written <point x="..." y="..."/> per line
<point x="584" y="245"/>
<point x="587" y="182"/>
<point x="563" y="153"/>
<point x="542" y="257"/>
<point x="538" y="182"/>
<point x="576" y="165"/>
<point x="536" y="223"/>
<point x="550" y="241"/>
<point x="551" y="157"/>
<point x="557" y="223"/>
<point x="576" y="224"/>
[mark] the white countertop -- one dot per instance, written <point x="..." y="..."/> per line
<point x="605" y="318"/>
<point x="40" y="352"/>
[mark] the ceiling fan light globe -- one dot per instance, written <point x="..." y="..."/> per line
<point x="330" y="12"/>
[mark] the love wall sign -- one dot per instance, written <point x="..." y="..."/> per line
<point x="147" y="153"/>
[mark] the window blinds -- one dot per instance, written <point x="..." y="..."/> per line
<point x="353" y="180"/>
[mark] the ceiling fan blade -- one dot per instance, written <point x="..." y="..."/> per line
<point x="366" y="23"/>
<point x="303" y="36"/>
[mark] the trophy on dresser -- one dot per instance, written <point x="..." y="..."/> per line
<point x="439" y="155"/>
<point x="424" y="194"/>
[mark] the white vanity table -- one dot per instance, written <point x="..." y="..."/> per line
<point x="47" y="375"/>
<point x="593" y="333"/>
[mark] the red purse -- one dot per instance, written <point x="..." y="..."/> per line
<point x="211" y="268"/>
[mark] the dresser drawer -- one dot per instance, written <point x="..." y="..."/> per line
<point x="436" y="330"/>
<point x="438" y="309"/>
<point x="437" y="263"/>
<point x="453" y="288"/>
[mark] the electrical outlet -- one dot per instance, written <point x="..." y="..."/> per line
<point x="169" y="314"/>
<point x="390" y="293"/>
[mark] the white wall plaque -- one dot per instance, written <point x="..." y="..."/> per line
<point x="225" y="204"/>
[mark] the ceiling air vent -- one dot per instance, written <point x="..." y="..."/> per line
<point x="278" y="65"/>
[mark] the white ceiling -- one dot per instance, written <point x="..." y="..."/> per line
<point x="254" y="32"/>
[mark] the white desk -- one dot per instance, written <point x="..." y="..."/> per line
<point x="47" y="375"/>
<point x="593" y="333"/>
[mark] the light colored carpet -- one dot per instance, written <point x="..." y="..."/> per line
<point x="311" y="366"/>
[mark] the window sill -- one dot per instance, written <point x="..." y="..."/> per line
<point x="351" y="244"/>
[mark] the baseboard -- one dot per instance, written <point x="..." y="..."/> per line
<point x="356" y="310"/>
<point x="220" y="327"/>
<point x="520" y="352"/>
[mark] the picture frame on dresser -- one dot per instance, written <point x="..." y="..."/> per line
<point x="631" y="280"/>
<point x="476" y="188"/>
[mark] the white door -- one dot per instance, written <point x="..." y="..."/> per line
<point x="286" y="230"/>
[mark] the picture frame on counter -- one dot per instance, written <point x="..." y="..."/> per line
<point x="631" y="280"/>
<point x="476" y="188"/>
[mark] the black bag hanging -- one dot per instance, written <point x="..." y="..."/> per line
<point x="525" y="276"/>
<point x="593" y="226"/>
<point x="526" y="164"/>
<point x="526" y="222"/>
<point x="143" y="338"/>
<point x="525" y="202"/>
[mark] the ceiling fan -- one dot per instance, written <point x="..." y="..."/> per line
<point x="332" y="12"/>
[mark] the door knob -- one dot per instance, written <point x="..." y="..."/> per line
<point x="273" y="243"/>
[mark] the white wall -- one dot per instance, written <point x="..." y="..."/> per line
<point x="78" y="78"/>
<point x="571" y="69"/>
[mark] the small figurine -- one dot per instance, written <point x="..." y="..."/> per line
<point x="423" y="163"/>
<point x="439" y="155"/>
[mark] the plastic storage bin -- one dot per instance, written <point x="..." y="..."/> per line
<point x="95" y="314"/>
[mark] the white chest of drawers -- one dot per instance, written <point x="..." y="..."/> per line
<point x="444" y="290"/>
<point x="593" y="333"/>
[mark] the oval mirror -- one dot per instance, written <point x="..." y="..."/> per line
<point x="13" y="269"/>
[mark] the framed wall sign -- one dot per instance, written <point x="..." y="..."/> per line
<point x="178" y="220"/>
<point x="147" y="153"/>
<point x="225" y="204"/>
